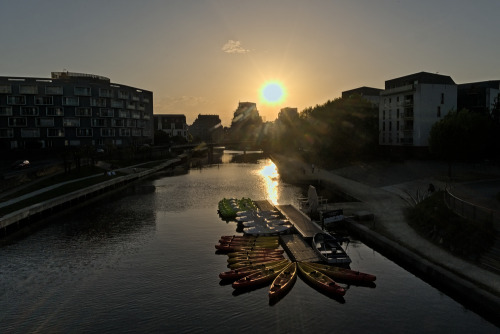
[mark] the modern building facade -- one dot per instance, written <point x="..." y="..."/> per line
<point x="171" y="124"/>
<point x="410" y="105"/>
<point x="368" y="93"/>
<point x="483" y="97"/>
<point x="73" y="109"/>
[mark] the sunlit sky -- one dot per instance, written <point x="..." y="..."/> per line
<point x="203" y="57"/>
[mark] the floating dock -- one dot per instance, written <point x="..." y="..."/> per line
<point x="294" y="244"/>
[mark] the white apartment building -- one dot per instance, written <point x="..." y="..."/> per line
<point x="410" y="105"/>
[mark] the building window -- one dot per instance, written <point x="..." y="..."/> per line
<point x="28" y="89"/>
<point x="43" y="100"/>
<point x="70" y="101"/>
<point x="123" y="113"/>
<point x="131" y="105"/>
<point x="397" y="113"/>
<point x="71" y="122"/>
<point x="383" y="114"/>
<point x="5" y="89"/>
<point x="55" y="111"/>
<point x="45" y="122"/>
<point x="84" y="132"/>
<point x="136" y="132"/>
<point x="98" y="102"/>
<point x="83" y="112"/>
<point x="124" y="132"/>
<point x="6" y="133"/>
<point x="116" y="103"/>
<point x="5" y="111"/>
<point x="18" y="121"/>
<point x="131" y="123"/>
<point x="136" y="114"/>
<point x="16" y="100"/>
<point x="390" y="126"/>
<point x="99" y="122"/>
<point x="83" y="91"/>
<point x="107" y="132"/>
<point x="53" y="90"/>
<point x="118" y="122"/>
<point x="122" y="95"/>
<point x="55" y="132"/>
<point x="438" y="111"/>
<point x="383" y="126"/>
<point x="105" y="92"/>
<point x="29" y="111"/>
<point x="30" y="133"/>
<point x="106" y="112"/>
<point x="442" y="98"/>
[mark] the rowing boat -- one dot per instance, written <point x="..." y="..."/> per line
<point x="256" y="251"/>
<point x="284" y="281"/>
<point x="260" y="277"/>
<point x="320" y="280"/>
<point x="343" y="273"/>
<point x="245" y="263"/>
<point x="329" y="249"/>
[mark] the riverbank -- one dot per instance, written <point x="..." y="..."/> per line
<point x="14" y="221"/>
<point x="390" y="233"/>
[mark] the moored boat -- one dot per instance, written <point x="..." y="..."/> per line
<point x="245" y="271"/>
<point x="329" y="249"/>
<point x="255" y="252"/>
<point x="235" y="248"/>
<point x="320" y="280"/>
<point x="284" y="281"/>
<point x="246" y="263"/>
<point x="254" y="257"/>
<point x="343" y="273"/>
<point x="260" y="277"/>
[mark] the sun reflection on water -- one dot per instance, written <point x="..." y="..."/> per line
<point x="270" y="174"/>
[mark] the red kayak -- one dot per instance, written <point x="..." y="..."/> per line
<point x="320" y="280"/>
<point x="245" y="271"/>
<point x="260" y="277"/>
<point x="343" y="273"/>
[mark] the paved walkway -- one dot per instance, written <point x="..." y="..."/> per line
<point x="387" y="203"/>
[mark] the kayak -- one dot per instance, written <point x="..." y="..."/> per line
<point x="245" y="263"/>
<point x="320" y="280"/>
<point x="284" y="281"/>
<point x="260" y="277"/>
<point x="254" y="258"/>
<point x="256" y="252"/>
<point x="237" y="248"/>
<point x="343" y="273"/>
<point x="245" y="271"/>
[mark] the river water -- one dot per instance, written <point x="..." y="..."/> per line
<point x="143" y="260"/>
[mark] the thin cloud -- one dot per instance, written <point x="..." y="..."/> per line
<point x="234" y="47"/>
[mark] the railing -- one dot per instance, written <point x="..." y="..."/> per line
<point x="471" y="211"/>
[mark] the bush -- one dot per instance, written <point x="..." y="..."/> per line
<point x="433" y="220"/>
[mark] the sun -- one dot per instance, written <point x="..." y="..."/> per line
<point x="272" y="92"/>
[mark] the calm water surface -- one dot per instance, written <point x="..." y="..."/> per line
<point x="144" y="261"/>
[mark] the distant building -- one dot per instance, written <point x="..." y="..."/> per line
<point x="207" y="128"/>
<point x="481" y="96"/>
<point x="72" y="109"/>
<point x="171" y="124"/>
<point x="246" y="113"/>
<point x="410" y="105"/>
<point x="368" y="93"/>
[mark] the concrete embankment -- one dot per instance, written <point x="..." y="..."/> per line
<point x="13" y="221"/>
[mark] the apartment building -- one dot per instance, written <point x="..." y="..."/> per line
<point x="370" y="94"/>
<point x="171" y="124"/>
<point x="410" y="105"/>
<point x="72" y="109"/>
<point x="483" y="96"/>
<point x="207" y="128"/>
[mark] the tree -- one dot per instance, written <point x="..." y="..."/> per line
<point x="462" y="135"/>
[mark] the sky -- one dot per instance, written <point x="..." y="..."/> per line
<point x="204" y="57"/>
